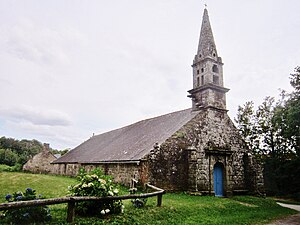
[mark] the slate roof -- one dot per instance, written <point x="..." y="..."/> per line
<point x="129" y="143"/>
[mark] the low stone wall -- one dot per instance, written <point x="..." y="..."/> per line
<point x="121" y="172"/>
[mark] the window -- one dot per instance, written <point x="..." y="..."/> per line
<point x="215" y="69"/>
<point x="202" y="70"/>
<point x="198" y="81"/>
<point x="215" y="79"/>
<point x="202" y="79"/>
<point x="197" y="71"/>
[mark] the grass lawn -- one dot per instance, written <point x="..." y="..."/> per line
<point x="49" y="186"/>
<point x="176" y="209"/>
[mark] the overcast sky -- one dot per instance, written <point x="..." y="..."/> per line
<point x="69" y="69"/>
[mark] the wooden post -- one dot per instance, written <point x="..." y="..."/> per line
<point x="159" y="200"/>
<point x="72" y="201"/>
<point x="71" y="211"/>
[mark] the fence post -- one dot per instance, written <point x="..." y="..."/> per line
<point x="159" y="200"/>
<point x="71" y="211"/>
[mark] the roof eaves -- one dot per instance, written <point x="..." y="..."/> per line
<point x="113" y="162"/>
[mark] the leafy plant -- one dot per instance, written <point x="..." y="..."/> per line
<point x="96" y="184"/>
<point x="137" y="203"/>
<point x="28" y="214"/>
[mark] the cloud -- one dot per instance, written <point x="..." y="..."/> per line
<point x="36" y="116"/>
<point x="43" y="45"/>
<point x="58" y="136"/>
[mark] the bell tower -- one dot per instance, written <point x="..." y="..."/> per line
<point x="208" y="88"/>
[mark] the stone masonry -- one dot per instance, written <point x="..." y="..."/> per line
<point x="41" y="162"/>
<point x="186" y="160"/>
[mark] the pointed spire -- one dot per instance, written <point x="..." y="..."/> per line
<point x="208" y="87"/>
<point x="207" y="46"/>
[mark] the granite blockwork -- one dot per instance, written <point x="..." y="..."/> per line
<point x="41" y="162"/>
<point x="186" y="160"/>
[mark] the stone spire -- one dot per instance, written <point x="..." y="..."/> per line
<point x="208" y="89"/>
<point x="207" y="46"/>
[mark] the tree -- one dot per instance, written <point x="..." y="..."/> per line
<point x="8" y="157"/>
<point x="247" y="126"/>
<point x="260" y="130"/>
<point x="293" y="112"/>
<point x="273" y="134"/>
<point x="18" y="152"/>
<point x="295" y="83"/>
<point x="270" y="127"/>
<point x="61" y="152"/>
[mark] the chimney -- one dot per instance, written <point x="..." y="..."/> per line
<point x="46" y="147"/>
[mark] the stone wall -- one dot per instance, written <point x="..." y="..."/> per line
<point x="186" y="160"/>
<point x="41" y="162"/>
<point x="168" y="164"/>
<point x="121" y="172"/>
<point x="254" y="175"/>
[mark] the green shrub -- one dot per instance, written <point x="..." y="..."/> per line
<point x="96" y="184"/>
<point x="6" y="168"/>
<point x="137" y="202"/>
<point x="27" y="214"/>
<point x="282" y="177"/>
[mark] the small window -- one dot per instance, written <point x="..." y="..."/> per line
<point x="202" y="70"/>
<point x="198" y="81"/>
<point x="215" y="69"/>
<point x="202" y="80"/>
<point x="197" y="71"/>
<point x="215" y="79"/>
<point x="214" y="54"/>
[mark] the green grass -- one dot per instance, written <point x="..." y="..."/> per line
<point x="49" y="186"/>
<point x="176" y="209"/>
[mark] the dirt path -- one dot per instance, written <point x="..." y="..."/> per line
<point x="295" y="207"/>
<point x="291" y="220"/>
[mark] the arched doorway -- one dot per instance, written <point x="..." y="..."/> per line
<point x="218" y="180"/>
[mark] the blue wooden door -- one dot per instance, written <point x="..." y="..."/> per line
<point x="218" y="180"/>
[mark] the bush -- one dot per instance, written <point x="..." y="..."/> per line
<point x="6" y="168"/>
<point x="138" y="203"/>
<point x="282" y="177"/>
<point x="28" y="214"/>
<point x="96" y="184"/>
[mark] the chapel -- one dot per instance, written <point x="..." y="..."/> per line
<point x="197" y="149"/>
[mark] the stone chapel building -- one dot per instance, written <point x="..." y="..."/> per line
<point x="197" y="149"/>
<point x="41" y="162"/>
